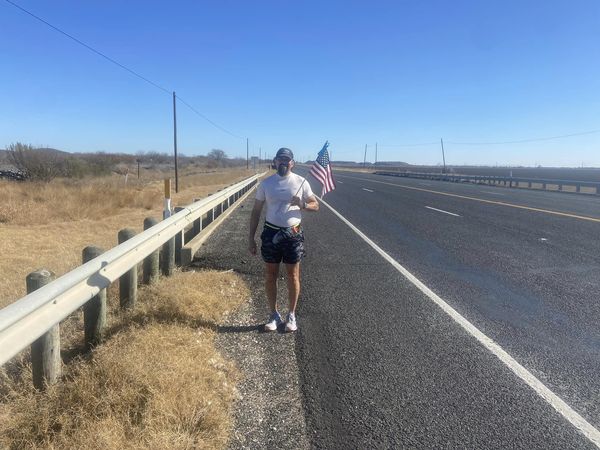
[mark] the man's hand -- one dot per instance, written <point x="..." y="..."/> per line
<point x="252" y="247"/>
<point x="297" y="201"/>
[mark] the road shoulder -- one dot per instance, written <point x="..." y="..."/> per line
<point x="268" y="412"/>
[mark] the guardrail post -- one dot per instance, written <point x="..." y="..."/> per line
<point x="197" y="222"/>
<point x="577" y="188"/>
<point x="179" y="240"/>
<point x="543" y="185"/>
<point x="560" y="187"/>
<point x="94" y="311"/>
<point x="168" y="257"/>
<point x="128" y="281"/>
<point x="45" y="351"/>
<point x="151" y="262"/>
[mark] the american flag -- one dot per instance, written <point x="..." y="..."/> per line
<point x="321" y="170"/>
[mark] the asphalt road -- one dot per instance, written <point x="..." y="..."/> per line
<point x="382" y="366"/>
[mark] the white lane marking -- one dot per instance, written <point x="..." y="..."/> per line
<point x="442" y="211"/>
<point x="543" y="239"/>
<point x="587" y="429"/>
<point x="493" y="193"/>
<point x="338" y="181"/>
<point x="490" y="202"/>
<point x="368" y="190"/>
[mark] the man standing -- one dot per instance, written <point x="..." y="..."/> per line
<point x="286" y="195"/>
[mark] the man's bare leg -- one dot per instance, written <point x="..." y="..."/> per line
<point x="271" y="274"/>
<point x="293" y="285"/>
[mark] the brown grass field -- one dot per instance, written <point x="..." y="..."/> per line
<point x="157" y="381"/>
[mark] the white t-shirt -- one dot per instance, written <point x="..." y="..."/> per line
<point x="277" y="193"/>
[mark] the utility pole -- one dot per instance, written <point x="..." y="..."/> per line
<point x="365" y="160"/>
<point x="443" y="155"/>
<point x="175" y="142"/>
<point x="375" y="152"/>
<point x="247" y="155"/>
<point x="259" y="155"/>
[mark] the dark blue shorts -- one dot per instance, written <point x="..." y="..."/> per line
<point x="285" y="245"/>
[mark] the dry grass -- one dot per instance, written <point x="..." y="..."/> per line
<point x="156" y="383"/>
<point x="48" y="225"/>
<point x="201" y="299"/>
<point x="28" y="204"/>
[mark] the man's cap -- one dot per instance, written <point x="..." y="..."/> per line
<point x="285" y="152"/>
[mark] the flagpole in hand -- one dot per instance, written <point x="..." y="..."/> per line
<point x="295" y="195"/>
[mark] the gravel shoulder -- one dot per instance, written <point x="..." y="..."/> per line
<point x="268" y="412"/>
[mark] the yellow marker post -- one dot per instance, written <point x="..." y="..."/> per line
<point x="167" y="204"/>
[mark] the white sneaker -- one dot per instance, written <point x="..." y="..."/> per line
<point x="273" y="322"/>
<point x="290" y="324"/>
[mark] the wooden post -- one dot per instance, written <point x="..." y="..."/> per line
<point x="128" y="281"/>
<point x="45" y="351"/>
<point x="94" y="311"/>
<point x="179" y="240"/>
<point x="168" y="257"/>
<point x="175" y="141"/>
<point x="168" y="248"/>
<point x="197" y="222"/>
<point x="167" y="204"/>
<point x="151" y="263"/>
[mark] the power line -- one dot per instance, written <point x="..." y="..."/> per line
<point x="133" y="72"/>
<point x="91" y="48"/>
<point x="409" y="145"/>
<point x="208" y="120"/>
<point x="521" y="141"/>
<point x="526" y="140"/>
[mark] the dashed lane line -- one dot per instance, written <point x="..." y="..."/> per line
<point x="582" y="425"/>
<point x="442" y="211"/>
<point x="492" y="202"/>
<point x="493" y="193"/>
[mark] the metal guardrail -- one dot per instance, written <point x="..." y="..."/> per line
<point x="27" y="319"/>
<point x="495" y="180"/>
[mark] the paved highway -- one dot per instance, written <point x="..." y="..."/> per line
<point x="383" y="365"/>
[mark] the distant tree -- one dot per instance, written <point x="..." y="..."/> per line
<point x="154" y="157"/>
<point x="35" y="164"/>
<point x="217" y="156"/>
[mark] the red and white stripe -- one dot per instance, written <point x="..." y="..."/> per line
<point x="325" y="177"/>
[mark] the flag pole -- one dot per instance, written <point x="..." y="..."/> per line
<point x="296" y="194"/>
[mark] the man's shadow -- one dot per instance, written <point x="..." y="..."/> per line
<point x="260" y="328"/>
<point x="239" y="328"/>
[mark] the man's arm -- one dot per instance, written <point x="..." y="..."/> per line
<point x="254" y="218"/>
<point x="311" y="203"/>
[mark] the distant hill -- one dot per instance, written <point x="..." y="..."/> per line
<point x="44" y="150"/>
<point x="52" y="151"/>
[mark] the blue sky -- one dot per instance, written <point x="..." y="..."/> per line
<point x="297" y="73"/>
